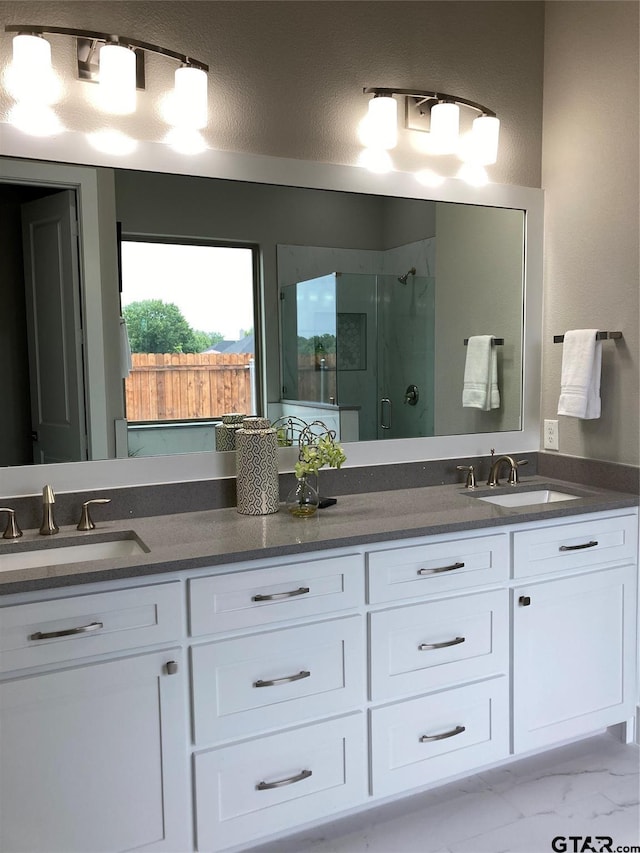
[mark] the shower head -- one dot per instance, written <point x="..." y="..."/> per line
<point x="403" y="278"/>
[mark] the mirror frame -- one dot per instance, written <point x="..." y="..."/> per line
<point x="70" y="161"/>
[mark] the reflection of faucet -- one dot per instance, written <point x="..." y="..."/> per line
<point x="48" y="526"/>
<point x="494" y="474"/>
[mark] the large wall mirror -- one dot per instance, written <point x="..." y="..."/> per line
<point x="406" y="279"/>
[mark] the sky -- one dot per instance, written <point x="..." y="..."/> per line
<point x="212" y="285"/>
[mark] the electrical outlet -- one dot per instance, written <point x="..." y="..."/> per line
<point x="551" y="435"/>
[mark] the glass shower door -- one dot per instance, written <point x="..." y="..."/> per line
<point x="405" y="356"/>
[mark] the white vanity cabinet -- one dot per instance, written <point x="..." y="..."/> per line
<point x="318" y="684"/>
<point x="574" y="628"/>
<point x="92" y="750"/>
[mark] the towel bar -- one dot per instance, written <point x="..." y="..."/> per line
<point x="497" y="342"/>
<point x="600" y="336"/>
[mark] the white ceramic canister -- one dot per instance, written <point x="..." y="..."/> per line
<point x="257" y="484"/>
<point x="226" y="431"/>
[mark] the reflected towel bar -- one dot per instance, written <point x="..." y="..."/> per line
<point x="497" y="342"/>
<point x="600" y="336"/>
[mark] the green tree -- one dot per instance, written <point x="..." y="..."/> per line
<point x="157" y="326"/>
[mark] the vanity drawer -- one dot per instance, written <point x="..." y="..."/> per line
<point x="249" y="790"/>
<point x="266" y="681"/>
<point x="263" y="596"/>
<point x="89" y="625"/>
<point x="435" y="567"/>
<point x="579" y="543"/>
<point x="438" y="644"/>
<point x="469" y="726"/>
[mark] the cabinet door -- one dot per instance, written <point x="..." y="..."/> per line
<point x="93" y="759"/>
<point x="574" y="656"/>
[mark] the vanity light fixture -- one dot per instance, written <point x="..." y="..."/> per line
<point x="115" y="62"/>
<point x="435" y="114"/>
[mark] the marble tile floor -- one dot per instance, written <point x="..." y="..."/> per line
<point x="588" y="788"/>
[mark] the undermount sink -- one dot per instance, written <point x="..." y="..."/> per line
<point x="532" y="498"/>
<point x="51" y="554"/>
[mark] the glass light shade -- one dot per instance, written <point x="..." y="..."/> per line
<point x="382" y="122"/>
<point x="445" y="126"/>
<point x="190" y="97"/>
<point x="117" y="79"/>
<point x="31" y="54"/>
<point x="484" y="140"/>
<point x="31" y="77"/>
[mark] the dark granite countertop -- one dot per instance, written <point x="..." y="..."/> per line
<point x="223" y="536"/>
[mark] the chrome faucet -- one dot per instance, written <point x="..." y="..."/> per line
<point x="494" y="473"/>
<point x="48" y="526"/>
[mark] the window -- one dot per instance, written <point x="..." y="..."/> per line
<point x="190" y="312"/>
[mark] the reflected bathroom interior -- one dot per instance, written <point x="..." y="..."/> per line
<point x="358" y="350"/>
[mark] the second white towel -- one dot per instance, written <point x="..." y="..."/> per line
<point x="480" y="390"/>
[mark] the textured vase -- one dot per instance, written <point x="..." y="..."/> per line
<point x="257" y="484"/>
<point x="226" y="431"/>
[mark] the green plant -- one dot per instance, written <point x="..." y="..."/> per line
<point x="322" y="451"/>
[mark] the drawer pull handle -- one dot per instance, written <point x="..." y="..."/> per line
<point x="287" y="678"/>
<point x="69" y="632"/>
<point x="267" y="786"/>
<point x="427" y="647"/>
<point x="275" y="595"/>
<point x="591" y="544"/>
<point x="441" y="569"/>
<point x="457" y="731"/>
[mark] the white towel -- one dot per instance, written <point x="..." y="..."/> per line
<point x="580" y="379"/>
<point x="480" y="390"/>
<point x="125" y="350"/>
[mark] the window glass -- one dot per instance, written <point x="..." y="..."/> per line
<point x="189" y="311"/>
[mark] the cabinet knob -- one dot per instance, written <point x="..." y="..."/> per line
<point x="524" y="601"/>
<point x="172" y="667"/>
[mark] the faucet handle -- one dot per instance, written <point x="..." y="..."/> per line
<point x="12" y="531"/>
<point x="471" y="476"/>
<point x="513" y="473"/>
<point x="86" y="522"/>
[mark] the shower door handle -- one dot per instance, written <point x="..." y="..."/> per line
<point x="385" y="402"/>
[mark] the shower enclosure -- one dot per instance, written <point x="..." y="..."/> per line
<point x="365" y="342"/>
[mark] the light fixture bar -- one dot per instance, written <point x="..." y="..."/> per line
<point x="421" y="97"/>
<point x="106" y="38"/>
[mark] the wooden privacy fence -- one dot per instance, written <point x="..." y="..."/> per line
<point x="316" y="382"/>
<point x="183" y="386"/>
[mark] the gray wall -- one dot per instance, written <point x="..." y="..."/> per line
<point x="590" y="176"/>
<point x="490" y="252"/>
<point x="287" y="77"/>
